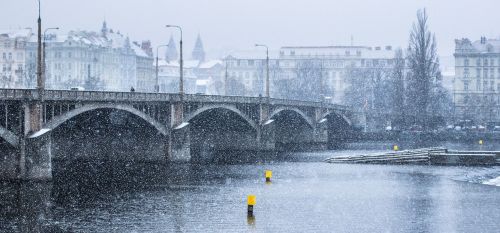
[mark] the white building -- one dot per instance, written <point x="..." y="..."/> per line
<point x="105" y="60"/>
<point x="330" y="62"/>
<point x="13" y="69"/>
<point x="476" y="91"/>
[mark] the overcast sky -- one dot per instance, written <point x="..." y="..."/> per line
<point x="227" y="25"/>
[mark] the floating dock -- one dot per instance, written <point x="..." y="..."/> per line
<point x="430" y="156"/>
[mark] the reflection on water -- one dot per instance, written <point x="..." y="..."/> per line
<point x="306" y="195"/>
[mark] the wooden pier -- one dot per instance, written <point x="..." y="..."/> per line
<point x="429" y="156"/>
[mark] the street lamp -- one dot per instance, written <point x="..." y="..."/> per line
<point x="39" y="82"/>
<point x="157" y="84"/>
<point x="44" y="71"/>
<point x="267" y="67"/>
<point x="181" y="78"/>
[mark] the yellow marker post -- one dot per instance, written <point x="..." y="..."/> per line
<point x="251" y="203"/>
<point x="269" y="174"/>
<point x="480" y="141"/>
<point x="395" y="148"/>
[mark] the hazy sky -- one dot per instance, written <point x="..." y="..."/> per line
<point x="227" y="25"/>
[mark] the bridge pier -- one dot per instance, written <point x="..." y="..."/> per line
<point x="179" y="144"/>
<point x="37" y="157"/>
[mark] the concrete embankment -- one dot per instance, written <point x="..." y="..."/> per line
<point x="430" y="156"/>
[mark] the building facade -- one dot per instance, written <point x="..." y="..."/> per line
<point x="327" y="65"/>
<point x="13" y="68"/>
<point x="105" y="60"/>
<point x="476" y="89"/>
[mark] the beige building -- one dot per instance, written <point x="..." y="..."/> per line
<point x="476" y="90"/>
<point x="328" y="65"/>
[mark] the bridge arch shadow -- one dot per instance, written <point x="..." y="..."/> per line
<point x="219" y="132"/>
<point x="294" y="130"/>
<point x="106" y="145"/>
<point x="339" y="129"/>
<point x="58" y="120"/>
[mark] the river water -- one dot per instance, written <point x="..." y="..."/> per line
<point x="306" y="195"/>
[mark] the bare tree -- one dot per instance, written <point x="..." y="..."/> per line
<point x="398" y="89"/>
<point x="423" y="65"/>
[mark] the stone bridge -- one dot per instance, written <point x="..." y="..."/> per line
<point x="187" y="123"/>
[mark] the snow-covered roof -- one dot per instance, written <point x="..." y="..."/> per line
<point x="484" y="45"/>
<point x="257" y="53"/>
<point x="187" y="63"/>
<point x="114" y="40"/>
<point x="489" y="45"/>
<point x="14" y="33"/>
<point x="210" y="64"/>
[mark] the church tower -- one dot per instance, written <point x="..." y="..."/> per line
<point x="198" y="51"/>
<point x="104" y="29"/>
<point x="171" y="54"/>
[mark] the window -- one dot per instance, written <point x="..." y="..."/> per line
<point x="348" y="53"/>
<point x="492" y="73"/>
<point x="485" y="74"/>
<point x="485" y="85"/>
<point x="10" y="56"/>
<point x="358" y="53"/>
<point x="478" y="62"/>
<point x="486" y="62"/>
<point x="4" y="68"/>
<point x="250" y="62"/>
<point x="478" y="85"/>
<point x="478" y="73"/>
<point x="466" y="72"/>
<point x="69" y="54"/>
<point x="4" y="56"/>
<point x="492" y="85"/>
<point x="292" y="53"/>
<point x="466" y="85"/>
<point x="466" y="62"/>
<point x="20" y="67"/>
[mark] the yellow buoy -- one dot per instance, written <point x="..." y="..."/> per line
<point x="480" y="141"/>
<point x="395" y="148"/>
<point x="269" y="174"/>
<point x="251" y="203"/>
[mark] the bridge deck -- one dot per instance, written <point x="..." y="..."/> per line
<point x="108" y="96"/>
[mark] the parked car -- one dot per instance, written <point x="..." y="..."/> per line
<point x="77" y="89"/>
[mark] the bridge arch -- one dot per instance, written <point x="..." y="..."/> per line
<point x="226" y="107"/>
<point x="296" y="110"/>
<point x="58" y="120"/>
<point x="339" y="116"/>
<point x="9" y="137"/>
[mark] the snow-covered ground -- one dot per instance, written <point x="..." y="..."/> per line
<point x="495" y="181"/>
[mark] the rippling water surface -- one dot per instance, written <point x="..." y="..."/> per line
<point x="306" y="195"/>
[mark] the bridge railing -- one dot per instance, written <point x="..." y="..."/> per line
<point x="53" y="95"/>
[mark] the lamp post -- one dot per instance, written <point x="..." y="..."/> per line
<point x="157" y="84"/>
<point x="267" y="67"/>
<point x="39" y="81"/>
<point x="44" y="61"/>
<point x="181" y="77"/>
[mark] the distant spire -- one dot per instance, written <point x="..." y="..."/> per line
<point x="104" y="29"/>
<point x="198" y="51"/>
<point x="171" y="53"/>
